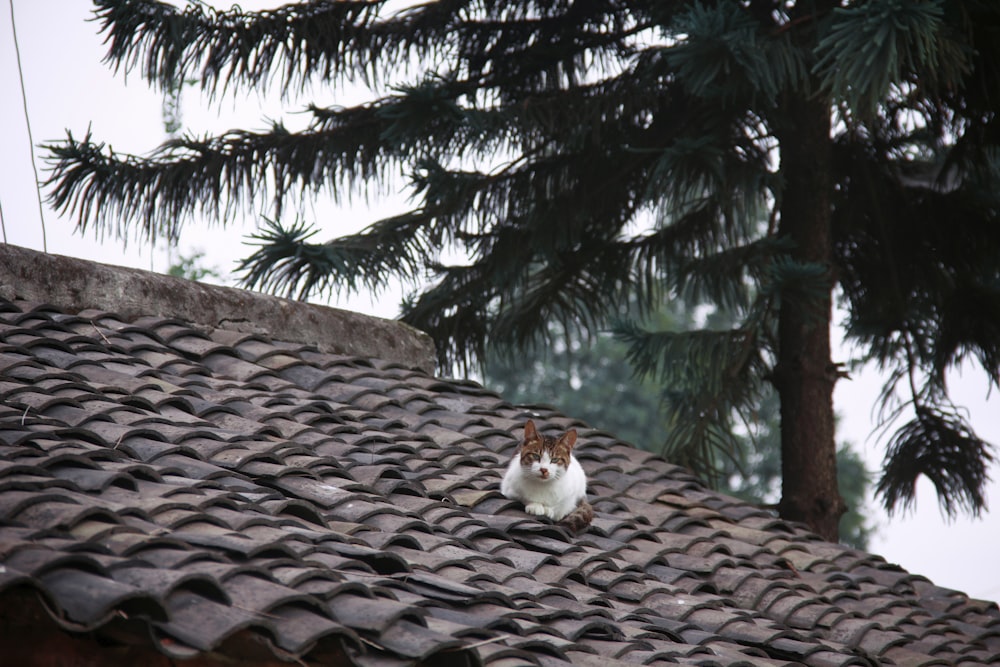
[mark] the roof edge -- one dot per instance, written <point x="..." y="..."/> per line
<point x="76" y="284"/>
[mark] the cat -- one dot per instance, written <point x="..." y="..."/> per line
<point x="547" y="478"/>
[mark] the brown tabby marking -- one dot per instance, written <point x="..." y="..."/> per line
<point x="535" y="445"/>
<point x="578" y="520"/>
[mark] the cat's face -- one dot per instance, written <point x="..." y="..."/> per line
<point x="543" y="457"/>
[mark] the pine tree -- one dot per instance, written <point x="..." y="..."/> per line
<point x="757" y="155"/>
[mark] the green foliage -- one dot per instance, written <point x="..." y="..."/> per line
<point x="286" y="261"/>
<point x="722" y="54"/>
<point x="707" y="377"/>
<point x="192" y="267"/>
<point x="870" y="47"/>
<point x="854" y="480"/>
<point x="583" y="157"/>
<point x="171" y="108"/>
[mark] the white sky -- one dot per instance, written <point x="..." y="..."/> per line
<point x="68" y="87"/>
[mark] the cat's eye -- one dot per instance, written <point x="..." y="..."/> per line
<point x="529" y="458"/>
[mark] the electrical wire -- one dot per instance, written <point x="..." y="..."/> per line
<point x="27" y="122"/>
<point x="3" y="225"/>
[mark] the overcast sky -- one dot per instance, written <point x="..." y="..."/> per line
<point x="68" y="87"/>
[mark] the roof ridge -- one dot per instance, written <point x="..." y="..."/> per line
<point x="76" y="284"/>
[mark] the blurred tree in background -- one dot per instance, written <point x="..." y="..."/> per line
<point x="192" y="267"/>
<point x="582" y="157"/>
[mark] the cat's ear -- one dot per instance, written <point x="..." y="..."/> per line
<point x="530" y="433"/>
<point x="568" y="438"/>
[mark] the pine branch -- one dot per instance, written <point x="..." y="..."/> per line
<point x="511" y="294"/>
<point x="916" y="286"/>
<point x="297" y="42"/>
<point x="805" y="283"/>
<point x="342" y="147"/>
<point x="707" y="378"/>
<point x="219" y="175"/>
<point x="574" y="289"/>
<point x="726" y="277"/>
<point x="870" y="47"/>
<point x="213" y="175"/>
<point x="286" y="262"/>
<point x="718" y="55"/>
<point x="457" y="313"/>
<point x="969" y="326"/>
<point x="681" y="358"/>
<point x="944" y="448"/>
<point x="522" y="49"/>
<point x="328" y="40"/>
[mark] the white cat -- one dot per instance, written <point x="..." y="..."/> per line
<point x="547" y="478"/>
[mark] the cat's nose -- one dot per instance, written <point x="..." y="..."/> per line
<point x="544" y="472"/>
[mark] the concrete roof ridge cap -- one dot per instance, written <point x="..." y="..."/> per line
<point x="77" y="284"/>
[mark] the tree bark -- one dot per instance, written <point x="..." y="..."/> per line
<point x="804" y="375"/>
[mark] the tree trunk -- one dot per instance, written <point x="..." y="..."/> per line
<point x="804" y="375"/>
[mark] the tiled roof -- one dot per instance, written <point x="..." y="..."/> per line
<point x="209" y="491"/>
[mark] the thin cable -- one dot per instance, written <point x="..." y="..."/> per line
<point x="3" y="225"/>
<point x="27" y="122"/>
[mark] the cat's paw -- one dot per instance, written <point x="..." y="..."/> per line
<point x="535" y="509"/>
